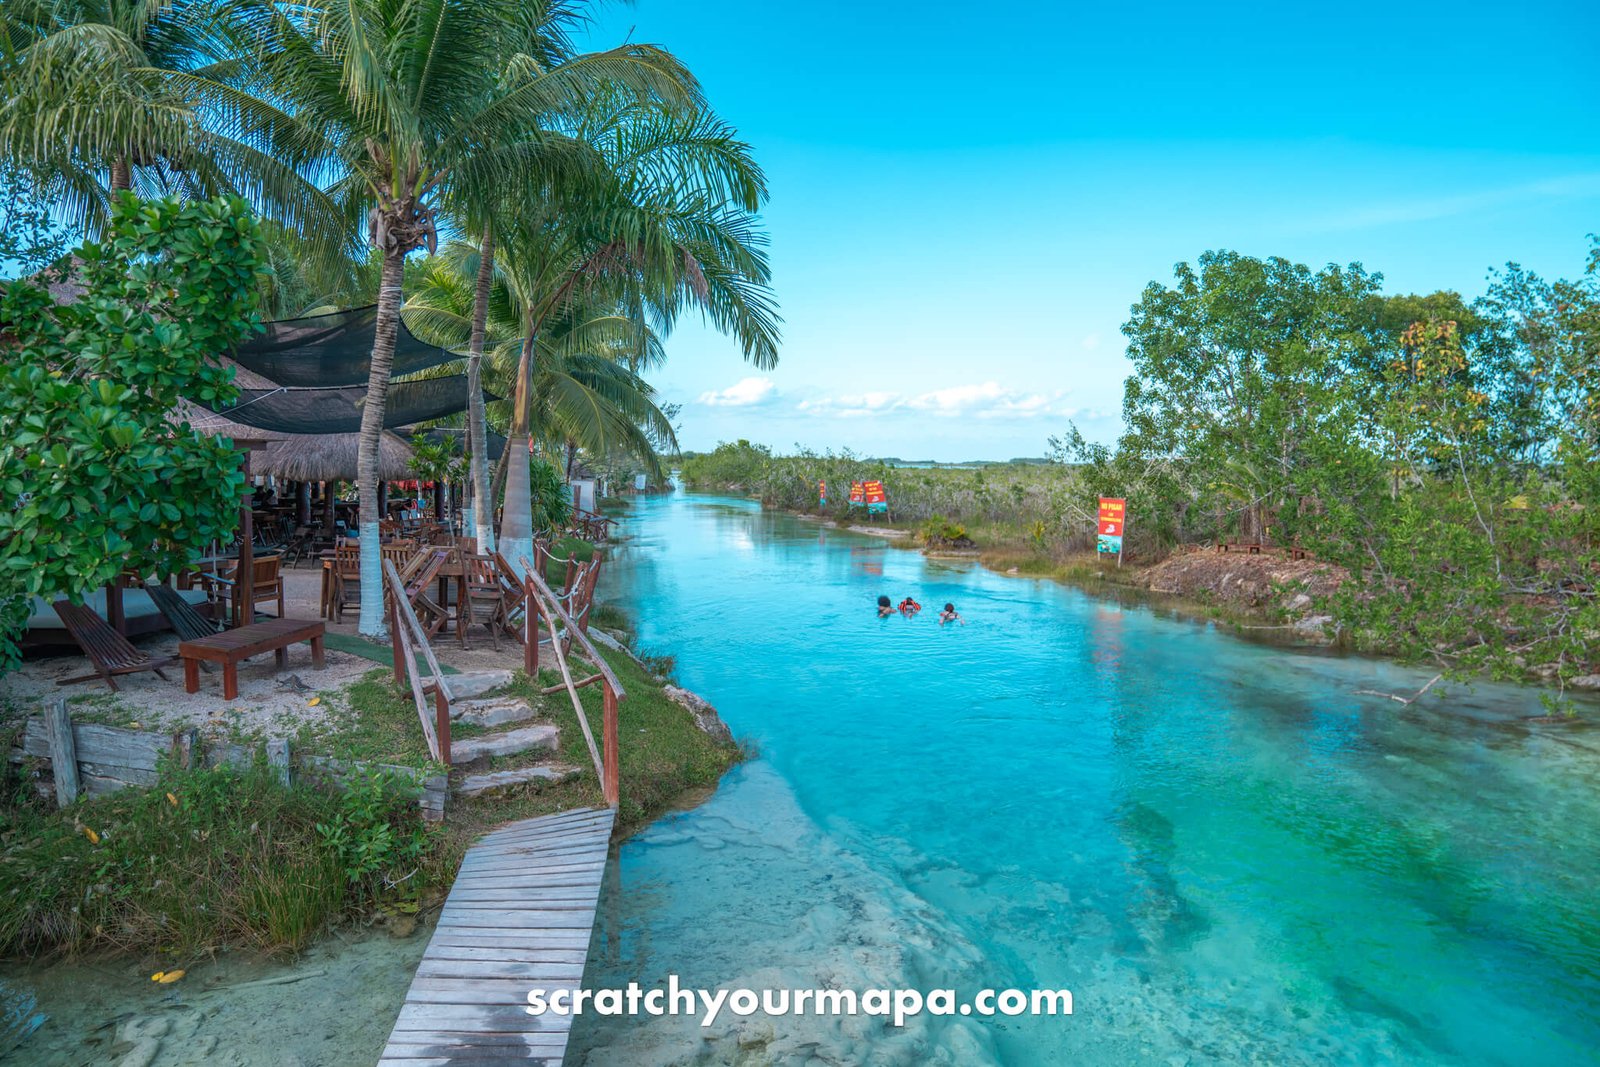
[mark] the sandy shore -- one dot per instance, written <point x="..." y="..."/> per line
<point x="269" y="703"/>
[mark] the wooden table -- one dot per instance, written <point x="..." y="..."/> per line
<point x="232" y="647"/>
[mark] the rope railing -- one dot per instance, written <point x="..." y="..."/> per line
<point x="542" y="601"/>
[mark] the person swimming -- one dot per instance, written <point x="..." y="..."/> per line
<point x="909" y="607"/>
<point x="949" y="614"/>
<point x="885" y="609"/>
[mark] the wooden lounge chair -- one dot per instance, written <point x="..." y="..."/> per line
<point x="110" y="652"/>
<point x="186" y="622"/>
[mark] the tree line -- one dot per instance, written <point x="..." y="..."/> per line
<point x="572" y="203"/>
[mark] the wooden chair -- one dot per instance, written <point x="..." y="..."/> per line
<point x="430" y="613"/>
<point x="513" y="597"/>
<point x="300" y="543"/>
<point x="110" y="652"/>
<point x="266" y="586"/>
<point x="484" y="601"/>
<point x="346" y="579"/>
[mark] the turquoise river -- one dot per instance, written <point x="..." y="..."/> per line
<point x="1224" y="851"/>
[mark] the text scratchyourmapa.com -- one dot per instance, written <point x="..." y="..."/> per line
<point x="897" y="1005"/>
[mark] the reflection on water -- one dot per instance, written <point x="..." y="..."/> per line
<point x="1224" y="852"/>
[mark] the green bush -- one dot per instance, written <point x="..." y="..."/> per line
<point x="205" y="858"/>
<point x="939" y="530"/>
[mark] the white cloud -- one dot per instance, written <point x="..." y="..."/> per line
<point x="741" y="394"/>
<point x="1427" y="209"/>
<point x="984" y="400"/>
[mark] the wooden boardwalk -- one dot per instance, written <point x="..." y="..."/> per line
<point x="518" y="918"/>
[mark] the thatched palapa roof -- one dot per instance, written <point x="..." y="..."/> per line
<point x="322" y="457"/>
<point x="329" y="457"/>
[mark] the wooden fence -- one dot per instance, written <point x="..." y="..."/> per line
<point x="541" y="601"/>
<point x="91" y="759"/>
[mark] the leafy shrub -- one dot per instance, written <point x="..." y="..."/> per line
<point x="206" y="857"/>
<point x="940" y="531"/>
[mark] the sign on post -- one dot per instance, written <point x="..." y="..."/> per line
<point x="877" y="499"/>
<point x="1113" y="513"/>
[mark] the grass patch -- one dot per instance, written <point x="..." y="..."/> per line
<point x="208" y="858"/>
<point x="611" y="616"/>
<point x="372" y="720"/>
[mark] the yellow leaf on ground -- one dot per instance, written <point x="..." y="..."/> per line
<point x="313" y="702"/>
<point x="172" y="800"/>
<point x="158" y="976"/>
<point x="168" y="977"/>
<point x="94" y="838"/>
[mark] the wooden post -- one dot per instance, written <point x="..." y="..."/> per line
<point x="278" y="758"/>
<point x="244" y="576"/>
<point x="396" y="635"/>
<point x="530" y="619"/>
<point x="327" y="507"/>
<point x="302" y="504"/>
<point x="114" y="613"/>
<point x="63" y="752"/>
<point x="441" y="720"/>
<point x="612" y="787"/>
<point x="185" y="747"/>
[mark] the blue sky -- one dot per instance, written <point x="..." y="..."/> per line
<point x="964" y="208"/>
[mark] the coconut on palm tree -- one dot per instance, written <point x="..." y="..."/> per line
<point x="414" y="102"/>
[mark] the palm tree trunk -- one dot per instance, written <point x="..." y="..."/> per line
<point x="387" y="326"/>
<point x="497" y="485"/>
<point x="121" y="173"/>
<point x="477" y="430"/>
<point x="572" y="456"/>
<point x="516" y="525"/>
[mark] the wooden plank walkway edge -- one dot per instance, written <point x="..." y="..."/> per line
<point x="519" y="917"/>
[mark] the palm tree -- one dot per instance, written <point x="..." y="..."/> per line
<point x="157" y="96"/>
<point x="413" y="100"/>
<point x="674" y="228"/>
<point x="585" y="392"/>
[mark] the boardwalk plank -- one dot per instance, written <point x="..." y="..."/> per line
<point x="519" y="917"/>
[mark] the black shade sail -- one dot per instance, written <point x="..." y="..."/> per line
<point x="332" y="350"/>
<point x="494" y="443"/>
<point x="323" y="411"/>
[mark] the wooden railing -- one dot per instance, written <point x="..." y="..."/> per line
<point x="543" y="602"/>
<point x="404" y="632"/>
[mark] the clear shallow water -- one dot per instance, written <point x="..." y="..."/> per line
<point x="1224" y="853"/>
